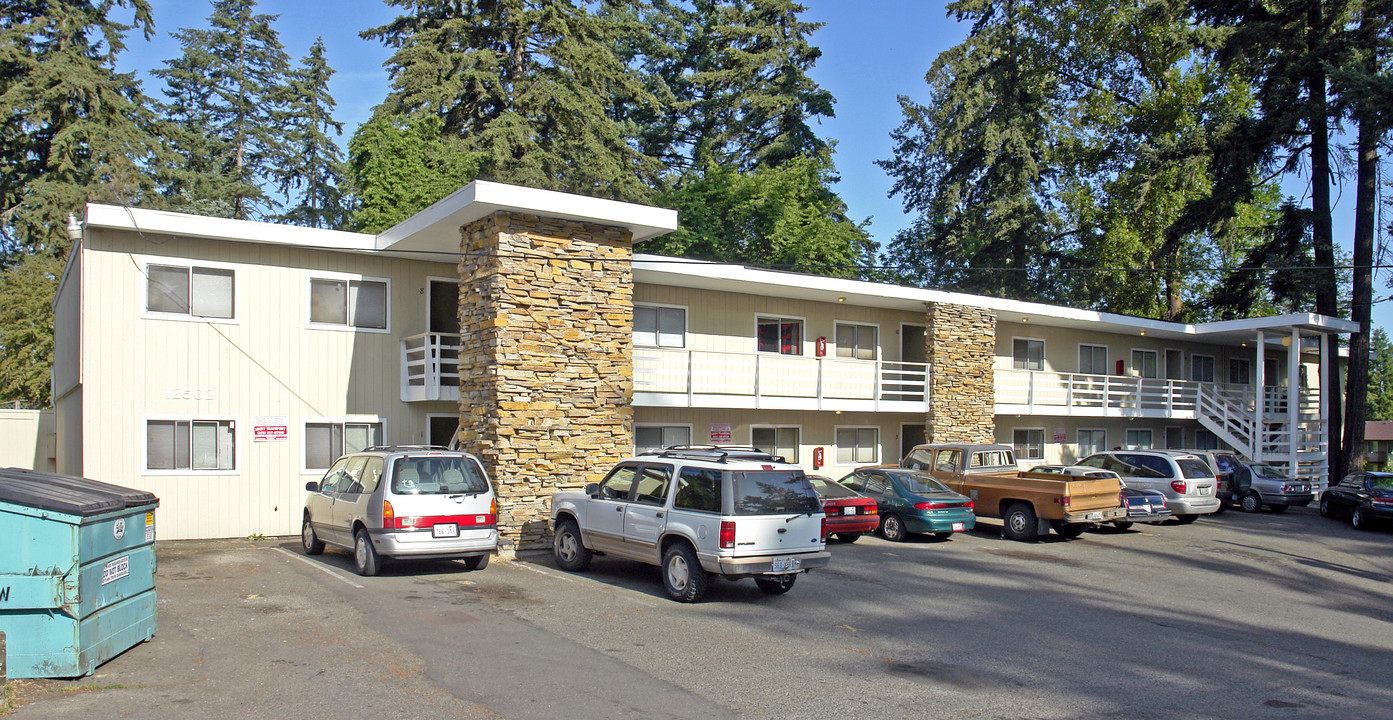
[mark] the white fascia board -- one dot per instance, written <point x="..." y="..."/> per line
<point x="436" y="229"/>
<point x="659" y="270"/>
<point x="196" y="226"/>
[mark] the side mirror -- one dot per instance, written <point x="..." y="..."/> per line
<point x="312" y="486"/>
<point x="592" y="489"/>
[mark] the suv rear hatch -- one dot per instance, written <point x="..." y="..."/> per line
<point x="776" y="512"/>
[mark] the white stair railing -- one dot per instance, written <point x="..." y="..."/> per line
<point x="1227" y="419"/>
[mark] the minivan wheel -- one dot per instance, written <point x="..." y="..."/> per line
<point x="311" y="542"/>
<point x="570" y="552"/>
<point x="776" y="584"/>
<point x="892" y="528"/>
<point x="479" y="562"/>
<point x="1186" y="519"/>
<point x="683" y="576"/>
<point x="1019" y="522"/>
<point x="364" y="555"/>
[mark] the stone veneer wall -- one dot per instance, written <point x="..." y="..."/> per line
<point x="962" y="396"/>
<point x="546" y="362"/>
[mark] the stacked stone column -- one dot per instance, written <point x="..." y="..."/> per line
<point x="546" y="361"/>
<point x="961" y="348"/>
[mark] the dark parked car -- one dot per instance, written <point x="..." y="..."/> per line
<point x="849" y="513"/>
<point x="1258" y="485"/>
<point x="912" y="502"/>
<point x="1364" y="497"/>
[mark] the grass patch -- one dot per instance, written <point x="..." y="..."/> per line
<point x="92" y="688"/>
<point x="7" y="696"/>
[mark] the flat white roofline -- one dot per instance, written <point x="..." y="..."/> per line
<point x="754" y="281"/>
<point x="197" y="226"/>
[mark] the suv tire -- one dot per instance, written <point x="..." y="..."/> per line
<point x="478" y="562"/>
<point x="1185" y="519"/>
<point x="311" y="542"/>
<point x="364" y="554"/>
<point x="1019" y="522"/>
<point x="571" y="554"/>
<point x="683" y="576"/>
<point x="776" y="584"/>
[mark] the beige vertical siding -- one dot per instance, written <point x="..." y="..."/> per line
<point x="266" y="362"/>
<point x="27" y="439"/>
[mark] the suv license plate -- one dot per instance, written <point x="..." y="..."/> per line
<point x="785" y="564"/>
<point x="959" y="527"/>
<point x="444" y="530"/>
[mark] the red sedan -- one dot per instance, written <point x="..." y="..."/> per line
<point x="849" y="513"/>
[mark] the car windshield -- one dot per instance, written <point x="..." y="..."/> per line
<point x="437" y="476"/>
<point x="828" y="489"/>
<point x="1381" y="482"/>
<point x="920" y="483"/>
<point x="774" y="492"/>
<point x="1267" y="471"/>
<point x="1194" y="469"/>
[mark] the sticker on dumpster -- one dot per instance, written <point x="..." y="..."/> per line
<point x="119" y="529"/>
<point x="116" y="569"/>
<point x="149" y="527"/>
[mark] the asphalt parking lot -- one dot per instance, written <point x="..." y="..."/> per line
<point x="1236" y="616"/>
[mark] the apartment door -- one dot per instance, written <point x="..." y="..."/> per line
<point x="442" y="429"/>
<point x="911" y="434"/>
<point x="912" y="350"/>
<point x="444" y="307"/>
<point x="1175" y="365"/>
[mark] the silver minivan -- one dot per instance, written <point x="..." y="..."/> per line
<point x="404" y="503"/>
<point x="1187" y="481"/>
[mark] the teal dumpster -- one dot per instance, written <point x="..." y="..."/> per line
<point x="77" y="572"/>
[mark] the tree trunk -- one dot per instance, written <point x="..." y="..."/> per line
<point x="1322" y="237"/>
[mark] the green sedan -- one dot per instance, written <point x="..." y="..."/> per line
<point x="912" y="502"/>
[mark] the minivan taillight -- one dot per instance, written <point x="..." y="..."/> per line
<point x="389" y="516"/>
<point x="728" y="534"/>
<point x="1178" y="486"/>
<point x="493" y="511"/>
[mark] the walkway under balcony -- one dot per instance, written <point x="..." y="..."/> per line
<point x="698" y="378"/>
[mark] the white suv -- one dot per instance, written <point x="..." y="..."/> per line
<point x="403" y="502"/>
<point x="1188" y="482"/>
<point x="696" y="512"/>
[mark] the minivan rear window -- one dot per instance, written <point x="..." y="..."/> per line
<point x="437" y="476"/>
<point x="774" y="492"/>
<point x="1194" y="469"/>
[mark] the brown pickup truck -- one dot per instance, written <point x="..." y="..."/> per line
<point x="1029" y="504"/>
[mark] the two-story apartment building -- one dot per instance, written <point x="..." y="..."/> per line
<point x="221" y="364"/>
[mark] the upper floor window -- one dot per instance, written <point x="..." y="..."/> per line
<point x="192" y="444"/>
<point x="1093" y="359"/>
<point x="660" y="326"/>
<point x="1202" y="368"/>
<point x="349" y="303"/>
<point x="857" y="341"/>
<point x="780" y="335"/>
<point x="193" y="291"/>
<point x="1144" y="363"/>
<point x="1027" y="354"/>
<point x="1240" y="372"/>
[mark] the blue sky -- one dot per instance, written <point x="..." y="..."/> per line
<point x="872" y="51"/>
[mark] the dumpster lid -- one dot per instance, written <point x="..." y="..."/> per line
<point x="67" y="494"/>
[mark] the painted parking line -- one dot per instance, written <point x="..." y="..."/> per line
<point x="316" y="566"/>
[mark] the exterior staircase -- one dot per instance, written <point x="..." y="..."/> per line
<point x="1302" y="449"/>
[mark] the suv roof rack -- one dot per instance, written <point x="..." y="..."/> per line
<point x="396" y="448"/>
<point x="715" y="453"/>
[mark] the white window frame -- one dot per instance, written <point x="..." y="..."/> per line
<point x="1213" y="367"/>
<point x="686" y="324"/>
<point x="875" y="447"/>
<point x="876" y="350"/>
<point x="798" y="449"/>
<point x="689" y="427"/>
<point x="311" y="276"/>
<point x="1044" y="440"/>
<point x="1133" y="360"/>
<point x="802" y="339"/>
<point x="305" y="422"/>
<point x="1078" y="446"/>
<point x="1106" y="355"/>
<point x="145" y="421"/>
<point x="146" y="313"/>
<point x="1044" y="363"/>
<point x="1151" y="443"/>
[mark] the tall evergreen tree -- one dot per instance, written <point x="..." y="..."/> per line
<point x="1380" y="376"/>
<point x="72" y="129"/>
<point x="528" y="84"/>
<point x="975" y="163"/>
<point x="313" y="176"/>
<point x="227" y="110"/>
<point x="400" y="166"/>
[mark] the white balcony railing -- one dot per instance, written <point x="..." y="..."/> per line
<point x="430" y="367"/>
<point x="699" y="378"/>
<point x="1127" y="396"/>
